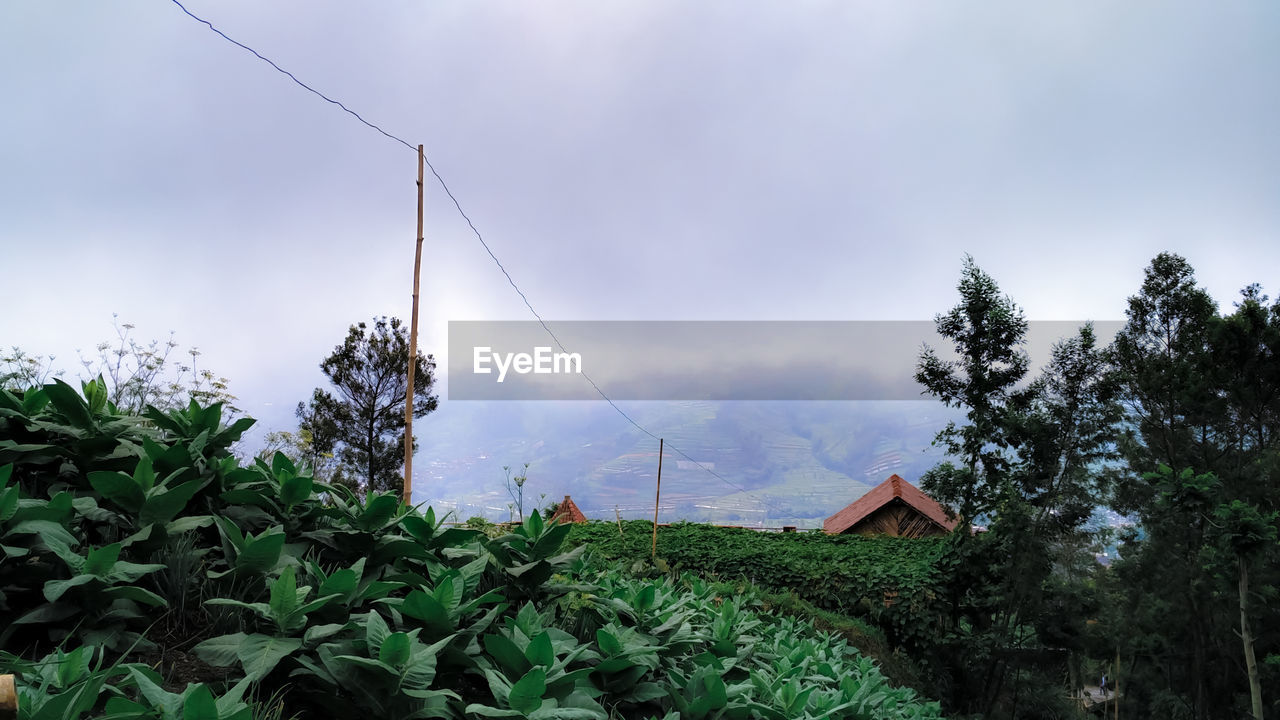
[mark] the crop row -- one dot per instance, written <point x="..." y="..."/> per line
<point x="889" y="580"/>
<point x="147" y="573"/>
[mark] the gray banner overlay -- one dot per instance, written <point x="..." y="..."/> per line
<point x="708" y="360"/>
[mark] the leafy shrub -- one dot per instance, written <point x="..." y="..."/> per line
<point x="336" y="606"/>
<point x="891" y="581"/>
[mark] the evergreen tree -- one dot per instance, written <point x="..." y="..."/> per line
<point x="1031" y="456"/>
<point x="1203" y="414"/>
<point x="362" y="421"/>
<point x="988" y="331"/>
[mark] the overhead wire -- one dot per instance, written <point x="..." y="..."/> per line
<point x="475" y="231"/>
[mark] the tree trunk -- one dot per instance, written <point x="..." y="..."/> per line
<point x="1250" y="662"/>
<point x="371" y="436"/>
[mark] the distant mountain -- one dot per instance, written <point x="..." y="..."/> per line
<point x="791" y="463"/>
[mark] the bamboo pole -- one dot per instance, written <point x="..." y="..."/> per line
<point x="1116" y="692"/>
<point x="413" y="350"/>
<point x="653" y="555"/>
<point x="8" y="698"/>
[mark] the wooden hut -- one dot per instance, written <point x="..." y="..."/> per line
<point x="894" y="507"/>
<point x="568" y="512"/>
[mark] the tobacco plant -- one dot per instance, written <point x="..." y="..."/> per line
<point x="348" y="606"/>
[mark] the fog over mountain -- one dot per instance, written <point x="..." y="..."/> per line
<point x="778" y="462"/>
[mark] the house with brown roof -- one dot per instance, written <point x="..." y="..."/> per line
<point x="568" y="512"/>
<point x="895" y="507"/>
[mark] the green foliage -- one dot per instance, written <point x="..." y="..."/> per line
<point x="340" y="606"/>
<point x="849" y="574"/>
<point x="1031" y="463"/>
<point x="1202" y="445"/>
<point x="363" y="424"/>
<point x="530" y="554"/>
<point x="987" y="330"/>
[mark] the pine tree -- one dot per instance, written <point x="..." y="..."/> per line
<point x="362" y="421"/>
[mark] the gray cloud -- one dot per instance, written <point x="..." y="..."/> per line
<point x="654" y="160"/>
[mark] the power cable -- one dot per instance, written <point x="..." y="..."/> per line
<point x="475" y="231"/>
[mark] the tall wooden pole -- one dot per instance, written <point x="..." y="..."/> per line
<point x="1117" y="690"/>
<point x="413" y="350"/>
<point x="657" y="499"/>
<point x="8" y="698"/>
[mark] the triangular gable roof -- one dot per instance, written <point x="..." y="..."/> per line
<point x="881" y="495"/>
<point x="569" y="512"/>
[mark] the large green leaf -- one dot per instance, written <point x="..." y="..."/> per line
<point x="375" y="631"/>
<point x="233" y="432"/>
<point x="295" y="490"/>
<point x="10" y="551"/>
<point x="420" y="529"/>
<point x="259" y="654"/>
<point x="551" y="712"/>
<point x="87" y="508"/>
<point x="200" y="705"/>
<point x="493" y="712"/>
<point x="144" y="475"/>
<point x="343" y="582"/>
<point x="526" y="693"/>
<point x="29" y="452"/>
<point x="421" y="669"/>
<point x="534" y="573"/>
<point x="550" y="541"/>
<point x="221" y="650"/>
<point x="187" y="524"/>
<point x="100" y="560"/>
<point x="49" y="532"/>
<point x="135" y="593"/>
<point x="507" y="654"/>
<point x="122" y="571"/>
<point x="449" y="593"/>
<point x="533" y="525"/>
<point x="8" y="503"/>
<point x="173" y="423"/>
<point x="261" y="553"/>
<point x="169" y="704"/>
<point x="119" y="488"/>
<point x="316" y="633"/>
<point x="422" y="606"/>
<point x="281" y="465"/>
<point x="379" y="510"/>
<point x="284" y="597"/>
<point x="55" y="589"/>
<point x="395" y="649"/>
<point x="540" y="651"/>
<point x="69" y="403"/>
<point x="608" y="642"/>
<point x="162" y="506"/>
<point x="34" y="400"/>
<point x="73" y="665"/>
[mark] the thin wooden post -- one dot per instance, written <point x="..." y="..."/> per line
<point x="619" y="516"/>
<point x="8" y="698"/>
<point x="413" y="350"/>
<point x="1117" y="675"/>
<point x="657" y="499"/>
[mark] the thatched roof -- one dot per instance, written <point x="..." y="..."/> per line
<point x="887" y="492"/>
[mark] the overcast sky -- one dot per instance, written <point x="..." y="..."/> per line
<point x="625" y="160"/>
